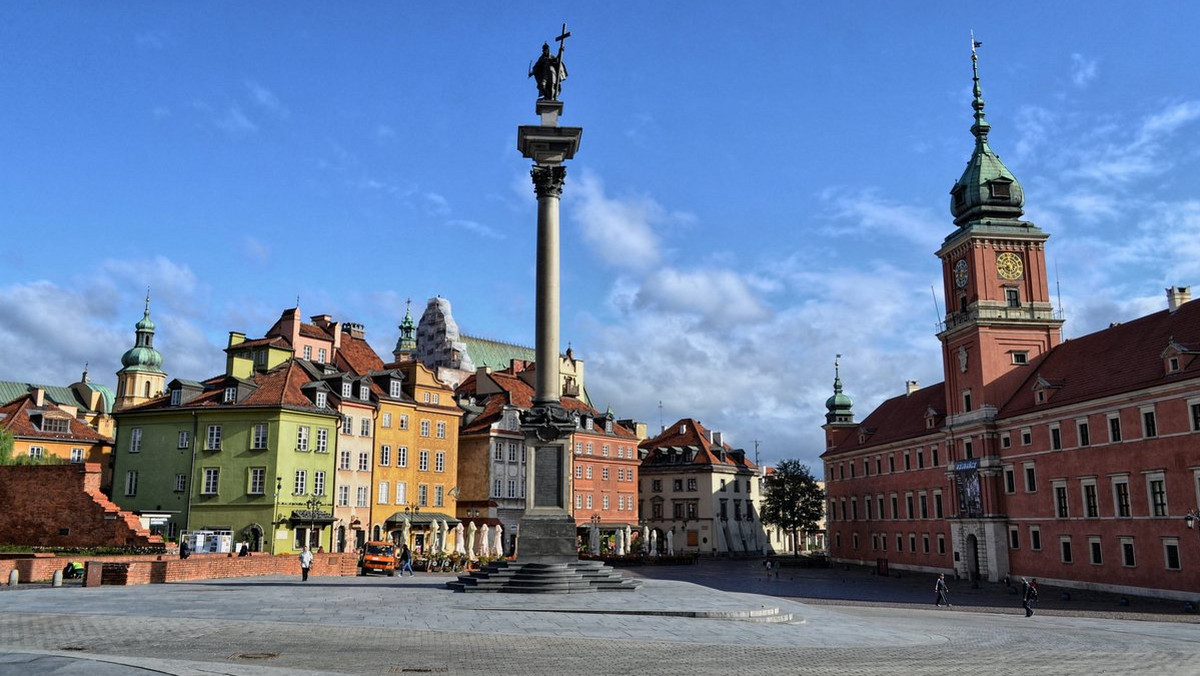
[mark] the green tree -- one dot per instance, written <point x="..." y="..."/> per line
<point x="6" y="447"/>
<point x="793" y="501"/>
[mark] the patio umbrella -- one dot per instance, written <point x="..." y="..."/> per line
<point x="458" y="539"/>
<point x="431" y="546"/>
<point x="654" y="543"/>
<point x="645" y="539"/>
<point x="499" y="540"/>
<point x="471" y="528"/>
<point x="404" y="527"/>
<point x="620" y="542"/>
<point x="445" y="537"/>
<point x="485" y="545"/>
<point x="594" y="537"/>
<point x="628" y="540"/>
<point x="670" y="543"/>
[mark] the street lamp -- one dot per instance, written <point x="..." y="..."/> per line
<point x="1191" y="518"/>
<point x="313" y="502"/>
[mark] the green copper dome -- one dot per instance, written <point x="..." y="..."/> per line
<point x="143" y="356"/>
<point x="839" y="405"/>
<point x="987" y="189"/>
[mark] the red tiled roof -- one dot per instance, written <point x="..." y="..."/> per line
<point x="1122" y="358"/>
<point x="274" y="341"/>
<point x="901" y="417"/>
<point x="17" y="417"/>
<point x="518" y="393"/>
<point x="277" y="387"/>
<point x="693" y="435"/>
<point x="314" y="331"/>
<point x="356" y="356"/>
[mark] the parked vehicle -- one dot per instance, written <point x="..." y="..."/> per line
<point x="379" y="557"/>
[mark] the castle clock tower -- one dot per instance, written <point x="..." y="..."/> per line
<point x="998" y="312"/>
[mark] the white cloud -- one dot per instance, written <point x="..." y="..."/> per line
<point x="235" y="122"/>
<point x="865" y="212"/>
<point x="476" y="228"/>
<point x="1083" y="70"/>
<point x="255" y="250"/>
<point x="619" y="230"/>
<point x="720" y="298"/>
<point x="266" y="99"/>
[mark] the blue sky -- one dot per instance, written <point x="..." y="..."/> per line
<point x="759" y="187"/>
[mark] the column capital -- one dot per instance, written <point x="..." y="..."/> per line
<point x="548" y="180"/>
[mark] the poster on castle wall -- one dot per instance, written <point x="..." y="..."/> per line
<point x="966" y="478"/>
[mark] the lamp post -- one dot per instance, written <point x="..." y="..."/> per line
<point x="1192" y="518"/>
<point x="313" y="502"/>
<point x="276" y="517"/>
<point x="410" y="513"/>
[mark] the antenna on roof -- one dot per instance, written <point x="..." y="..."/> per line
<point x="1058" y="291"/>
<point x="756" y="442"/>
<point x="661" y="424"/>
<point x="937" y="311"/>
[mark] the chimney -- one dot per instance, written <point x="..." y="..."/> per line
<point x="717" y="439"/>
<point x="1178" y="295"/>
<point x="39" y="397"/>
<point x="911" y="386"/>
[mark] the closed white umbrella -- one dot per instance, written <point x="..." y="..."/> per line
<point x="445" y="537"/>
<point x="620" y="542"/>
<point x="485" y="544"/>
<point x="499" y="540"/>
<point x="431" y="547"/>
<point x="654" y="543"/>
<point x="471" y="539"/>
<point x="595" y="539"/>
<point x="628" y="540"/>
<point x="645" y="539"/>
<point x="670" y="543"/>
<point x="458" y="539"/>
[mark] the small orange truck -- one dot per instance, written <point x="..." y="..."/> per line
<point x="379" y="557"/>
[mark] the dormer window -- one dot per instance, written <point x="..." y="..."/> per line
<point x="322" y="400"/>
<point x="960" y="195"/>
<point x="608" y="426"/>
<point x="1041" y="396"/>
<point x="1172" y="364"/>
<point x="347" y="389"/>
<point x="364" y="392"/>
<point x="176" y="397"/>
<point x="1001" y="190"/>
<point x="230" y="395"/>
<point x="394" y="389"/>
<point x="683" y="429"/>
<point x="588" y="424"/>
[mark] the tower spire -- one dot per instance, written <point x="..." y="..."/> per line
<point x="839" y="406"/>
<point x="981" y="127"/>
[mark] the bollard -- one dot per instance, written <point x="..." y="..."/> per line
<point x="13" y="577"/>
<point x="56" y="581"/>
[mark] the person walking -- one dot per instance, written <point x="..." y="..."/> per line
<point x="941" y="591"/>
<point x="306" y="560"/>
<point x="1030" y="595"/>
<point x="405" y="561"/>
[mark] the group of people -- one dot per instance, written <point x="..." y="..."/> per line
<point x="1029" y="593"/>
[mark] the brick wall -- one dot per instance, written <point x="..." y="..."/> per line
<point x="62" y="506"/>
<point x="150" y="568"/>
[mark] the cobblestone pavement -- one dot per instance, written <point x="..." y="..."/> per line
<point x="275" y="625"/>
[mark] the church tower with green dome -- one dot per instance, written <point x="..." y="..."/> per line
<point x="839" y="418"/>
<point x="141" y="377"/>
<point x="406" y="346"/>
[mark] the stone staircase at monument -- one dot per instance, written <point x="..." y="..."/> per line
<point x="577" y="577"/>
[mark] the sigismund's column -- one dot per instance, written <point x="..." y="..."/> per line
<point x="547" y="531"/>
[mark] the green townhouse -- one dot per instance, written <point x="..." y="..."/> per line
<point x="247" y="456"/>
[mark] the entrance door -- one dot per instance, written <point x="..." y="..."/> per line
<point x="972" y="556"/>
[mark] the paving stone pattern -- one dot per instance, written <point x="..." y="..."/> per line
<point x="276" y="625"/>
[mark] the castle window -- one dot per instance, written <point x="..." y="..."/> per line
<point x="1012" y="298"/>
<point x="176" y="397"/>
<point x="230" y="395"/>
<point x="1020" y="357"/>
<point x="1001" y="190"/>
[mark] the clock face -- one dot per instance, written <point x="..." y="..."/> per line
<point x="1008" y="266"/>
<point x="960" y="273"/>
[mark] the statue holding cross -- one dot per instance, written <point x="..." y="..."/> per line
<point x="550" y="71"/>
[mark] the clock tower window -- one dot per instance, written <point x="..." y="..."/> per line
<point x="1012" y="297"/>
<point x="966" y="401"/>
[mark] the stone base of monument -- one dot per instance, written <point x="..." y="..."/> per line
<point x="578" y="577"/>
<point x="548" y="563"/>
